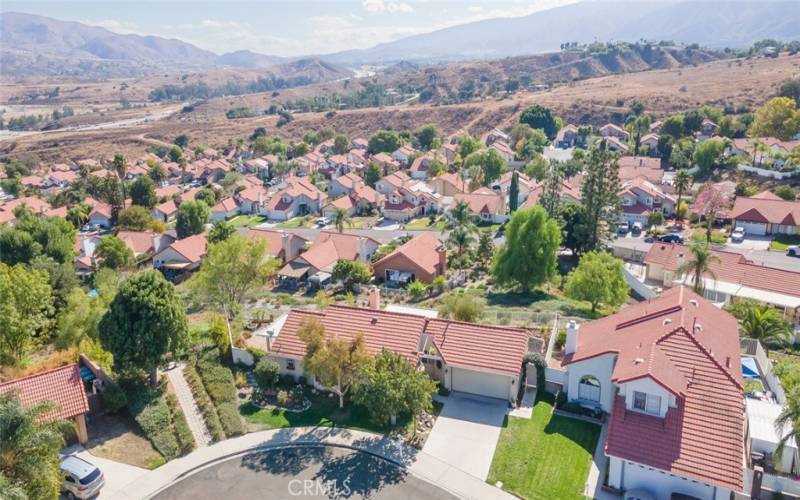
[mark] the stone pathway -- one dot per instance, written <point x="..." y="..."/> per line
<point x="525" y="409"/>
<point x="194" y="417"/>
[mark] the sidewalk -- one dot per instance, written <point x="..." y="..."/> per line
<point x="594" y="483"/>
<point x="189" y="406"/>
<point x="420" y="464"/>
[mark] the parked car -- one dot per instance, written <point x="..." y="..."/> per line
<point x="671" y="238"/>
<point x="323" y="221"/>
<point x="793" y="251"/>
<point x="81" y="479"/>
<point x="636" y="230"/>
<point x="737" y="236"/>
<point x="622" y="229"/>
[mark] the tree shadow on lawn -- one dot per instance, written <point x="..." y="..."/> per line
<point x="584" y="434"/>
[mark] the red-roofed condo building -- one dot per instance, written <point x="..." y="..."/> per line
<point x="668" y="372"/>
<point x="465" y="357"/>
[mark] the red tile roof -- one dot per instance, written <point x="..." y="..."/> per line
<point x="762" y="208"/>
<point x="631" y="167"/>
<point x="422" y="250"/>
<point x="483" y="200"/>
<point x="61" y="386"/>
<point x="690" y="347"/>
<point x="732" y="268"/>
<point x="193" y="248"/>
<point x="484" y="347"/>
<point x="274" y="239"/>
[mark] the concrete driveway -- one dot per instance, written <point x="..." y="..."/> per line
<point x="750" y="243"/>
<point x="465" y="433"/>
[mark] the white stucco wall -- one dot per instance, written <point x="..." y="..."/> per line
<point x="648" y="386"/>
<point x="627" y="476"/>
<point x="600" y="367"/>
<point x="282" y="362"/>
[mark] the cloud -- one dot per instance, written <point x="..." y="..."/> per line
<point x="123" y="27"/>
<point x="390" y="6"/>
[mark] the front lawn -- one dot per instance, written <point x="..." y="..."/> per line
<point x="424" y="224"/>
<point x="295" y="223"/>
<point x="324" y="412"/>
<point x="547" y="456"/>
<point x="247" y="220"/>
<point x="782" y="241"/>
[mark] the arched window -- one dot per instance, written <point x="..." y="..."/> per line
<point x="589" y="388"/>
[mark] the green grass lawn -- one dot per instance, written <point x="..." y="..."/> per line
<point x="782" y="241"/>
<point x="324" y="412"/>
<point x="361" y="222"/>
<point x="294" y="223"/>
<point x="547" y="456"/>
<point x="423" y="224"/>
<point x="247" y="220"/>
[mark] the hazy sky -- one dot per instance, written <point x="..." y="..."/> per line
<point x="285" y="28"/>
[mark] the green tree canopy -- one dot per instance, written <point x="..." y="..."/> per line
<point x="114" y="254"/>
<point x="779" y="117"/>
<point x="537" y="116"/>
<point x="528" y="256"/>
<point x="134" y="218"/>
<point x="598" y="279"/>
<point x="26" y="303"/>
<point x="351" y="272"/>
<point x="145" y="321"/>
<point x="575" y="230"/>
<point x="462" y="306"/>
<point x="600" y="194"/>
<point x="490" y="162"/>
<point x="673" y="127"/>
<point x="192" y="218"/>
<point x="426" y="136"/>
<point x="340" y="144"/>
<point x="707" y="154"/>
<point x="29" y="450"/>
<point x="373" y="174"/>
<point x="467" y="145"/>
<point x="384" y="141"/>
<point x="221" y="231"/>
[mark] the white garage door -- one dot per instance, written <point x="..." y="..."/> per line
<point x="484" y="384"/>
<point x="754" y="228"/>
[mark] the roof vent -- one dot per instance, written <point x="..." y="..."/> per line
<point x="694" y="302"/>
<point x="638" y="361"/>
<point x="374" y="319"/>
<point x="666" y="321"/>
<point x="698" y="327"/>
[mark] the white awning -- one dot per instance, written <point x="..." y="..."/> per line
<point x="775" y="298"/>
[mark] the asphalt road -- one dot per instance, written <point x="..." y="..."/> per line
<point x="764" y="257"/>
<point x="307" y="472"/>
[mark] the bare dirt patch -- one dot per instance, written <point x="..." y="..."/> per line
<point x="117" y="437"/>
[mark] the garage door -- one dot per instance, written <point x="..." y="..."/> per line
<point x="754" y="228"/>
<point x="481" y="383"/>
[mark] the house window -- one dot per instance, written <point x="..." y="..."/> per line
<point x="290" y="364"/>
<point x="647" y="403"/>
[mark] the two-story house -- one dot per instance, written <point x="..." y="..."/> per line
<point x="640" y="198"/>
<point x="668" y="372"/>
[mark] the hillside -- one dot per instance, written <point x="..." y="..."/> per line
<point x="712" y="23"/>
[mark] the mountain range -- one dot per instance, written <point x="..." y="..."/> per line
<point x="37" y="45"/>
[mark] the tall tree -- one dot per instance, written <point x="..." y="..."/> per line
<point x="765" y="324"/>
<point x="710" y="202"/>
<point x="192" y="218"/>
<point x="351" y="272"/>
<point x="145" y="321"/>
<point x="221" y="231"/>
<point x="134" y="218"/>
<point x="528" y="256"/>
<point x="683" y="182"/>
<point x="334" y="361"/>
<point x="699" y="265"/>
<point x="231" y="272"/>
<point x="461" y="216"/>
<point x="26" y="303"/>
<point x="29" y="450"/>
<point x="485" y="250"/>
<point x="490" y="162"/>
<point x="427" y="136"/>
<point x="467" y="145"/>
<point x="598" y="279"/>
<point x="707" y="154"/>
<point x="574" y="232"/>
<point x="779" y="117"/>
<point x="340" y="144"/>
<point x="600" y="194"/>
<point x="114" y="253"/>
<point x="383" y="141"/>
<point x="373" y="174"/>
<point x="340" y="219"/>
<point x="461" y="239"/>
<point x="513" y="193"/>
<point x="551" y="191"/>
<point x="540" y="117"/>
<point x="120" y="166"/>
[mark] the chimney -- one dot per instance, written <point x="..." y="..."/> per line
<point x="361" y="248"/>
<point x="260" y="198"/>
<point x="374" y="298"/>
<point x="83" y="244"/>
<point x="154" y="240"/>
<point x="572" y="337"/>
<point x="286" y="246"/>
<point x="442" y="251"/>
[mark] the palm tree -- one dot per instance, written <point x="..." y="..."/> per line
<point x="786" y="420"/>
<point x="683" y="181"/>
<point x="120" y="167"/>
<point x="699" y="265"/>
<point x="29" y="447"/>
<point x="766" y="325"/>
<point x="461" y="216"/>
<point x="460" y="239"/>
<point x="340" y="218"/>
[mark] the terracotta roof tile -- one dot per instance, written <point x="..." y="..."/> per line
<point x="62" y="386"/>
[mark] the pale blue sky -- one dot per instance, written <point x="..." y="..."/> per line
<point x="286" y="28"/>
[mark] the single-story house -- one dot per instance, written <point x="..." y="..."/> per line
<point x="668" y="372"/>
<point x="766" y="213"/>
<point x="403" y="153"/>
<point x="165" y="212"/>
<point x="321" y="256"/>
<point x="478" y="359"/>
<point x="616" y="145"/>
<point x="182" y="256"/>
<point x="145" y="243"/>
<point x="101" y="215"/>
<point x="224" y="209"/>
<point x="63" y="387"/>
<point x="422" y="258"/>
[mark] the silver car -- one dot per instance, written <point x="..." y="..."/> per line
<point x="81" y="479"/>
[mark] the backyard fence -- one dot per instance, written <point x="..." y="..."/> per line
<point x="763" y="172"/>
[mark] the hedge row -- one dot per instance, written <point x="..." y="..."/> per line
<point x="149" y="408"/>
<point x="204" y="403"/>
<point x="219" y="383"/>
<point x="179" y="424"/>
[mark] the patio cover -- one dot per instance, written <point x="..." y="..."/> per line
<point x="294" y="270"/>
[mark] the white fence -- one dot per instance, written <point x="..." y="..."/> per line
<point x="770" y="482"/>
<point x="765" y="365"/>
<point x="763" y="172"/>
<point x="555" y="375"/>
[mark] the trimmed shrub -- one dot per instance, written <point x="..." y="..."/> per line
<point x="266" y="374"/>
<point x="149" y="409"/>
<point x="230" y="419"/>
<point x="182" y="431"/>
<point x="204" y="403"/>
<point x="219" y="384"/>
<point x="283" y="398"/>
<point x="298" y="393"/>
